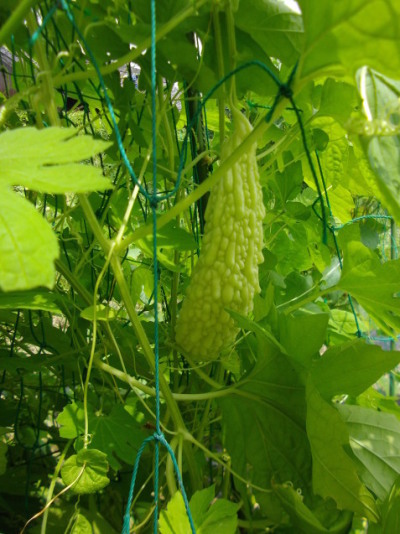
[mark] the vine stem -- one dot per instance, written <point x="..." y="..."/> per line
<point x="139" y="331"/>
<point x="135" y="52"/>
<point x="53" y="485"/>
<point x="221" y="71"/>
<point x="92" y="350"/>
<point x="206" y="186"/>
<point x="183" y="397"/>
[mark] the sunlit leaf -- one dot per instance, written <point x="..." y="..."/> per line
<point x="44" y="160"/>
<point x="86" y="471"/>
<point x="347" y="34"/>
<point x="208" y="516"/>
<point x="28" y="246"/>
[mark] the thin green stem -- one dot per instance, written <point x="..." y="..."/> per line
<point x="206" y="186"/>
<point x="230" y="25"/>
<point x="179" y="397"/>
<point x="47" y="88"/>
<point x="221" y="71"/>
<point x="53" y="483"/>
<point x="169" y="467"/>
<point x="130" y="57"/>
<point x="139" y="330"/>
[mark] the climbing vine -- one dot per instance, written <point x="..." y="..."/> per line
<point x="130" y="130"/>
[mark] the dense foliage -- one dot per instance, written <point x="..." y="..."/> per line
<point x="291" y="426"/>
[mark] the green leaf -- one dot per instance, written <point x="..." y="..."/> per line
<point x="292" y="328"/>
<point x="71" y="420"/>
<point x="290" y="247"/>
<point x="264" y="429"/>
<point x="391" y="510"/>
<point x="287" y="184"/>
<point x="81" y="525"/>
<point x="348" y="34"/>
<point x="41" y="160"/>
<point x="342" y="326"/>
<point x="373" y="284"/>
<point x="44" y="160"/>
<point x="338" y="100"/>
<point x="28" y="247"/>
<point x="334" y="474"/>
<point x="303" y="518"/>
<point x="375" y="440"/>
<point x="174" y="519"/>
<point x="351" y="368"/>
<point x="342" y="203"/>
<point x="383" y="156"/>
<point x="29" y="300"/>
<point x="174" y="237"/>
<point x="208" y="517"/>
<point x="274" y="26"/>
<point x="87" y="471"/>
<point x="379" y="134"/>
<point x="103" y="313"/>
<point x="118" y="434"/>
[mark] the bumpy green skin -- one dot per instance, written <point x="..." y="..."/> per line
<point x="226" y="274"/>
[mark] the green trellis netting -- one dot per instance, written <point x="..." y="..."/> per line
<point x="112" y="118"/>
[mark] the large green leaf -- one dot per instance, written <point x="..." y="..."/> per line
<point x="343" y="35"/>
<point x="334" y="473"/>
<point x="28" y="246"/>
<point x="273" y="25"/>
<point x="208" y="517"/>
<point x="44" y="160"/>
<point x="351" y="368"/>
<point x="374" y="285"/>
<point x="264" y="429"/>
<point x="375" y="440"/>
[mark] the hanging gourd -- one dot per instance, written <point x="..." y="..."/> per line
<point x="226" y="274"/>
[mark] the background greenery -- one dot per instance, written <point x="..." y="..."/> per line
<point x="295" y="428"/>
